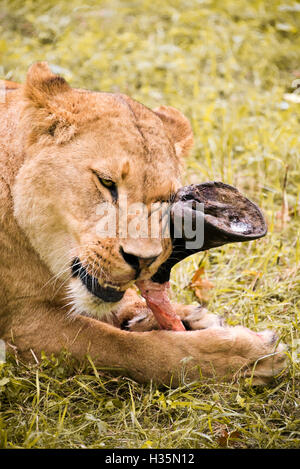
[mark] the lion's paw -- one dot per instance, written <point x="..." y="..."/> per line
<point x="196" y="317"/>
<point x="270" y="361"/>
<point x="142" y="322"/>
<point x="193" y="318"/>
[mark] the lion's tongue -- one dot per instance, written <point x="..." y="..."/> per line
<point x="157" y="299"/>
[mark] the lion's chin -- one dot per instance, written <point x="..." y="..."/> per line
<point x="85" y="303"/>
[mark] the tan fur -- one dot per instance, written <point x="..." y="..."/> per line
<point x="53" y="139"/>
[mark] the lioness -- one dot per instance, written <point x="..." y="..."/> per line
<point x="62" y="152"/>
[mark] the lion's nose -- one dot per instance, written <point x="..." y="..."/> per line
<point x="137" y="262"/>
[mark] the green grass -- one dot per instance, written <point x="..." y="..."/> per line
<point x="228" y="65"/>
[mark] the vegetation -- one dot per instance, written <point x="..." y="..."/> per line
<point x="230" y="65"/>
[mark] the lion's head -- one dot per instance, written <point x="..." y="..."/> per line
<point x="83" y="149"/>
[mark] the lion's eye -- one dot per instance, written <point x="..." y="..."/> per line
<point x="110" y="185"/>
<point x="107" y="183"/>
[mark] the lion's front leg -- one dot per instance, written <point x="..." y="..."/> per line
<point x="162" y="356"/>
<point x="133" y="314"/>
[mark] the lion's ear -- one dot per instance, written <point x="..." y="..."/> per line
<point x="42" y="84"/>
<point x="178" y="127"/>
<point x="47" y="105"/>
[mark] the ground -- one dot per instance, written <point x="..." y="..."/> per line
<point x="231" y="67"/>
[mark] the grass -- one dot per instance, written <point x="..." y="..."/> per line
<point x="230" y="67"/>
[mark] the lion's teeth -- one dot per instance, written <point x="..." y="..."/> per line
<point x="107" y="285"/>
